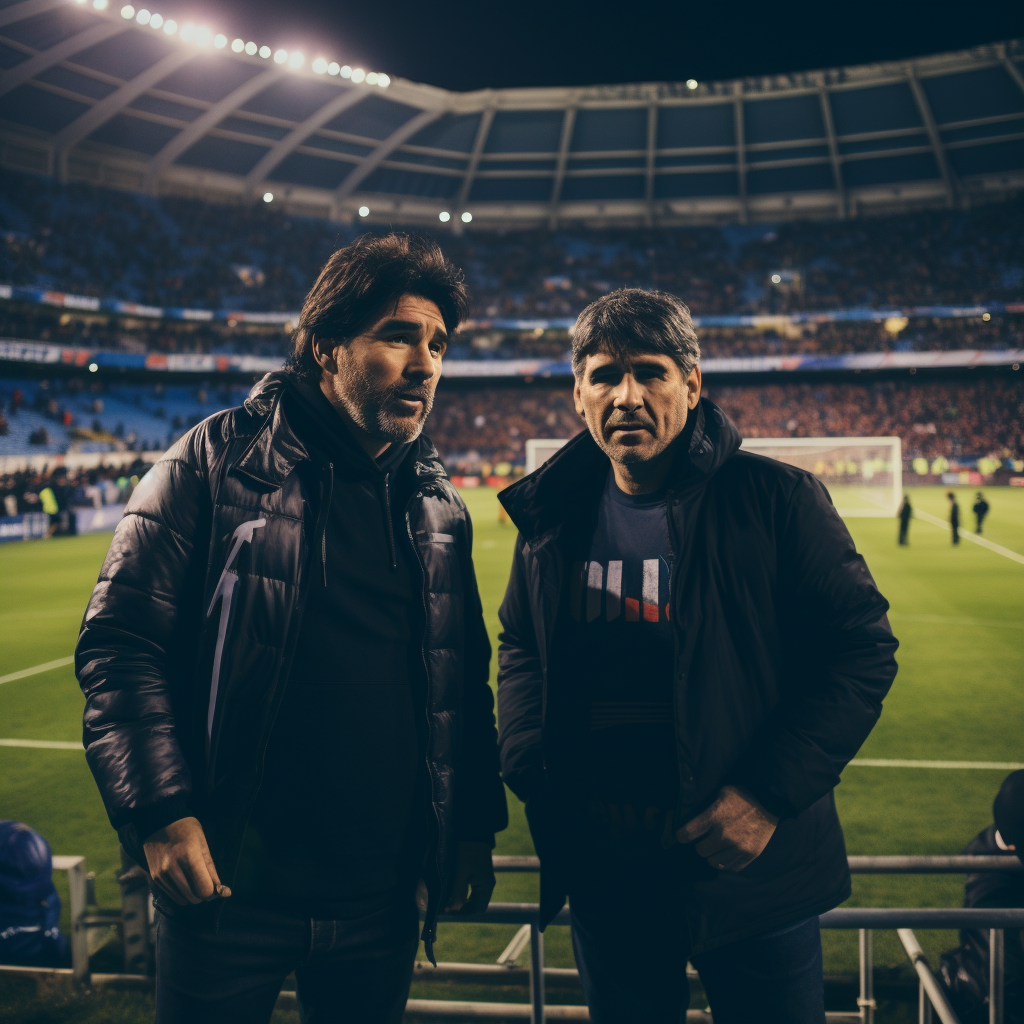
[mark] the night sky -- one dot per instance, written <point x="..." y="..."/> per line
<point x="477" y="44"/>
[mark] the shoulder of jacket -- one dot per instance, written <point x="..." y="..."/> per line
<point x="764" y="469"/>
<point x="212" y="440"/>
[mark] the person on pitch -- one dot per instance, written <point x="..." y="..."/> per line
<point x="954" y="517"/>
<point x="905" y="514"/>
<point x="691" y="652"/>
<point x="980" y="510"/>
<point x="285" y="669"/>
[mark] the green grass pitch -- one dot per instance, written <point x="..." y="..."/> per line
<point x="958" y="612"/>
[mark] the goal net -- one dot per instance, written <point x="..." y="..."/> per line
<point x="540" y="449"/>
<point x="864" y="475"/>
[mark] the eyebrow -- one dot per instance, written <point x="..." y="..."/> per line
<point x="394" y="325"/>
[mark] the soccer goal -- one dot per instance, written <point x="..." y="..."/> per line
<point x="864" y="475"/>
<point x="540" y="449"/>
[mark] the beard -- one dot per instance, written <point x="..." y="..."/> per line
<point x="374" y="408"/>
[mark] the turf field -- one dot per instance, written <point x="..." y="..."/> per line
<point x="958" y="612"/>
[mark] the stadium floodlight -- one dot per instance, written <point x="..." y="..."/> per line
<point x="691" y="84"/>
<point x="986" y="316"/>
<point x="203" y="36"/>
<point x="156" y="21"/>
<point x="220" y="41"/>
<point x="268" y="197"/>
<point x="319" y="66"/>
<point x="364" y="211"/>
<point x="383" y="81"/>
<point x="371" y="78"/>
<point x="296" y="60"/>
<point x="358" y="74"/>
<point x="776" y="279"/>
<point x="444" y="216"/>
<point x="264" y="52"/>
<point x="346" y="71"/>
<point x="467" y="217"/>
<point x="188" y="32"/>
<point x="280" y="56"/>
<point x="251" y="48"/>
<point x="79" y="1"/>
<point x="170" y="26"/>
<point x="333" y="68"/>
<point x="863" y="475"/>
<point x="127" y="12"/>
<point x="238" y="45"/>
<point x="100" y="5"/>
<point x="93" y="367"/>
<point x="143" y="17"/>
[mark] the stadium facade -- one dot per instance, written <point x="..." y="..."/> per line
<point x="94" y="95"/>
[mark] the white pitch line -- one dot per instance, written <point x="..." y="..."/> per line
<point x="42" y="744"/>
<point x="36" y="669"/>
<point x="1002" y="766"/>
<point x="997" y="548"/>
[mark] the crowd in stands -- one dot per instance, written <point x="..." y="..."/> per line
<point x="476" y="426"/>
<point x="172" y="251"/>
<point x="957" y="420"/>
<point x="56" y="491"/>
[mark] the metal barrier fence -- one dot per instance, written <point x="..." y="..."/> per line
<point x="931" y="997"/>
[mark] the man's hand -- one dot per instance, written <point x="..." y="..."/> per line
<point x="473" y="868"/>
<point x="180" y="863"/>
<point x="732" y="832"/>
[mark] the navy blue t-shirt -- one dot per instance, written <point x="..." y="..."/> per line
<point x="618" y="612"/>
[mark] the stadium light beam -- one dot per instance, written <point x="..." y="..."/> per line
<point x="364" y="211"/>
<point x="268" y="197"/>
<point x="383" y="81"/>
<point x="444" y="216"/>
<point x="188" y="32"/>
<point x="358" y="74"/>
<point x="371" y="78"/>
<point x="296" y="60"/>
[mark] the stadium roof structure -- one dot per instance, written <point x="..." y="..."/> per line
<point x="110" y="96"/>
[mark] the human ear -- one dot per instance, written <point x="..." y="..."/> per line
<point x="577" y="399"/>
<point x="323" y="353"/>
<point x="693" y="388"/>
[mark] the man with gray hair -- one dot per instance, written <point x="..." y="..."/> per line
<point x="691" y="652"/>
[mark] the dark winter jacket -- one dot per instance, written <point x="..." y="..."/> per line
<point x="187" y="640"/>
<point x="783" y="656"/>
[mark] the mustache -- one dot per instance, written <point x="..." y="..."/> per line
<point x="629" y="420"/>
<point x="422" y="392"/>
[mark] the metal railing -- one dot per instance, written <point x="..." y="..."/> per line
<point x="866" y="920"/>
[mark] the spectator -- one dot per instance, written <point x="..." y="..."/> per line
<point x="964" y="970"/>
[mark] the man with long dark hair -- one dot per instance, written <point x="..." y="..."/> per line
<point x="285" y="668"/>
<point x="691" y="652"/>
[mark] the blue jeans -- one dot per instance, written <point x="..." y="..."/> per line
<point x="631" y="948"/>
<point x="358" y="969"/>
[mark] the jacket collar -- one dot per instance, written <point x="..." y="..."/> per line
<point x="572" y="478"/>
<point x="275" y="449"/>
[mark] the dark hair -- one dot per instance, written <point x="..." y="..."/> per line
<point x="359" y="283"/>
<point x="633" y="320"/>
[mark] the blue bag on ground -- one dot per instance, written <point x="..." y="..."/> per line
<point x="29" y="904"/>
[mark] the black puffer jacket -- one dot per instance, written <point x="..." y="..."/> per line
<point x="783" y="655"/>
<point x="189" y="634"/>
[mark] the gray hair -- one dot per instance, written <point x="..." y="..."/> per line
<point x="634" y="320"/>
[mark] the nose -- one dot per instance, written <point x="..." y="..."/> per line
<point x="420" y="365"/>
<point x="628" y="395"/>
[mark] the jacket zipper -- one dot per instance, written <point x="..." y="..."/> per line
<point x="432" y="924"/>
<point x="391" y="528"/>
<point x="320" y="527"/>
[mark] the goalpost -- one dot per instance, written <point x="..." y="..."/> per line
<point x="864" y="475"/>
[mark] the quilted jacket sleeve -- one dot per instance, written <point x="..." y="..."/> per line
<point x="843" y="657"/>
<point x="151" y="579"/>
<point x="482" y="807"/>
<point x="520" y="684"/>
